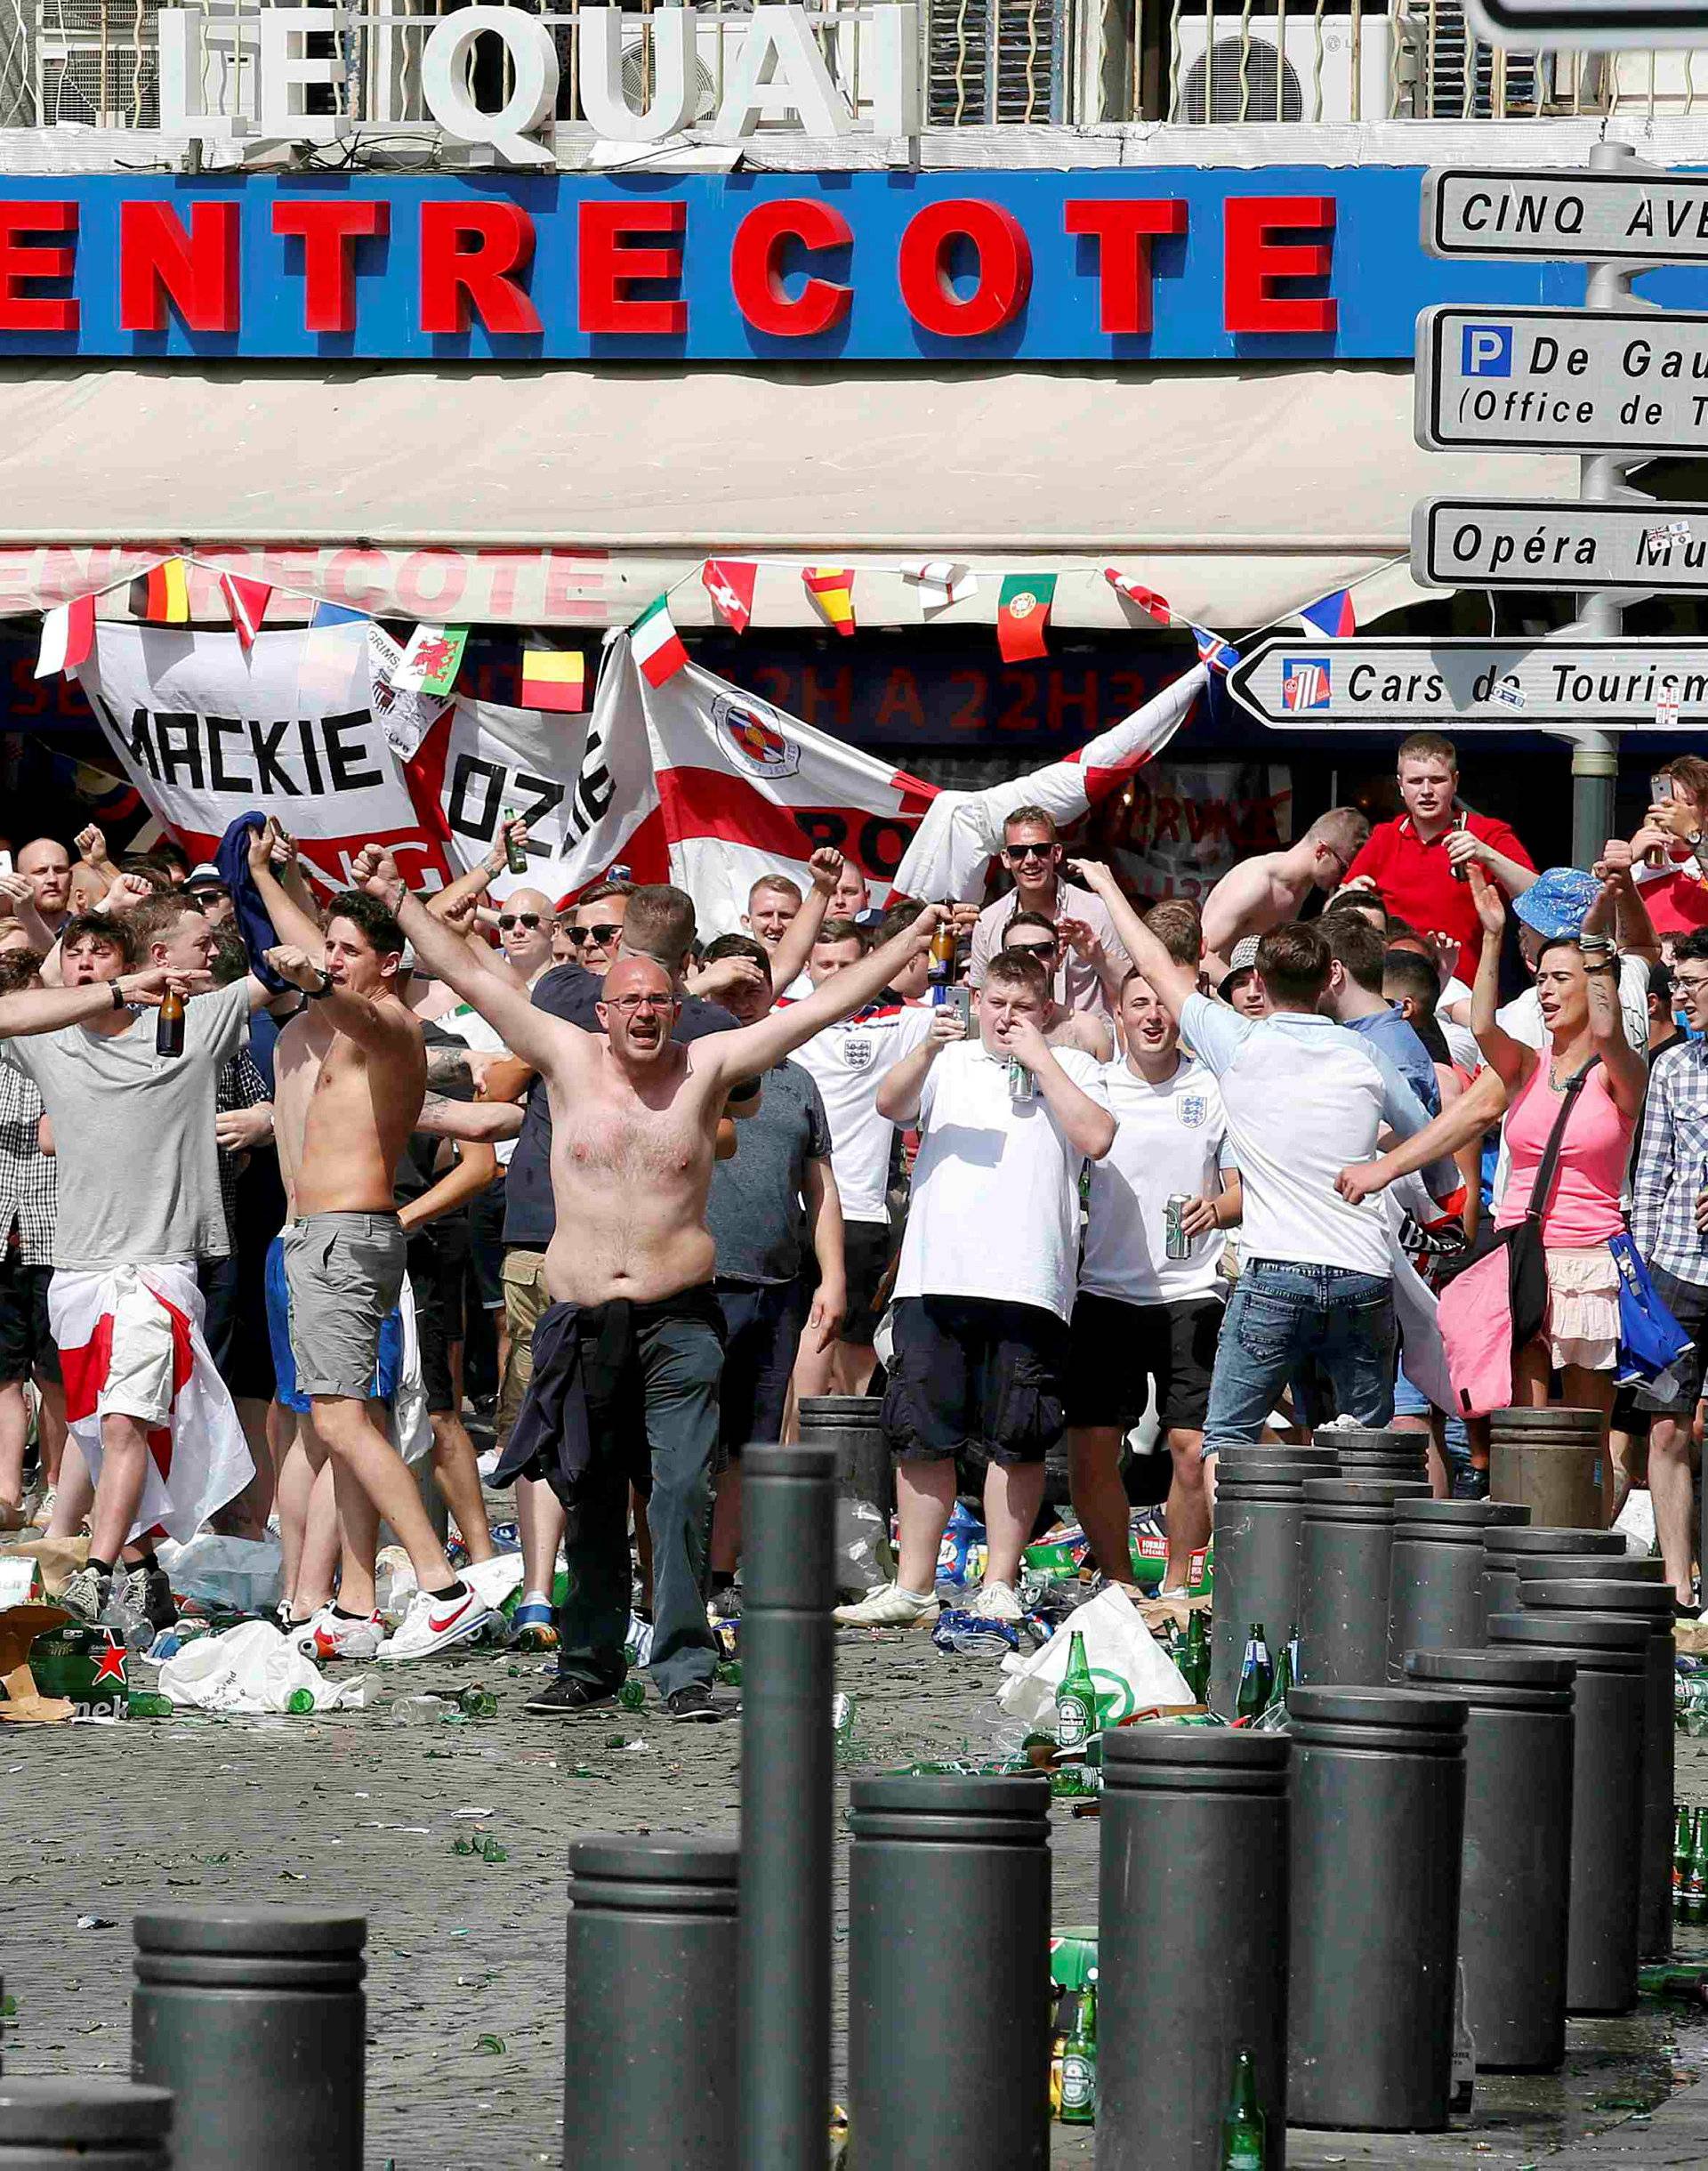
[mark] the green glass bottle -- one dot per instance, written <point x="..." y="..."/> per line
<point x="1681" y="1858"/>
<point x="1079" y="2064"/>
<point x="1282" y="1682"/>
<point x="633" y="1695"/>
<point x="1195" y="1662"/>
<point x="149" y="1704"/>
<point x="515" y="854"/>
<point x="1256" y="1676"/>
<point x="479" y="1703"/>
<point x="1696" y="1876"/>
<point x="1242" y="2126"/>
<point x="1075" y="1698"/>
<point x="301" y="1702"/>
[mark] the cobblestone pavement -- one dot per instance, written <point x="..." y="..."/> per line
<point x="362" y="1810"/>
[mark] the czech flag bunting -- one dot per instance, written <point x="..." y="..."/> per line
<point x="554" y="679"/>
<point x="1332" y="616"/>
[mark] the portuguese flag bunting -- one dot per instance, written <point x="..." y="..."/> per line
<point x="1022" y="615"/>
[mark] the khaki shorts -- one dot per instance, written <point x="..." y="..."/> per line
<point x="345" y="1273"/>
<point x="525" y="1301"/>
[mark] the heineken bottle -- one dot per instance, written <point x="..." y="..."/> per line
<point x="1079" y="2063"/>
<point x="1282" y="1682"/>
<point x="1256" y="1676"/>
<point x="1075" y="1699"/>
<point x="1681" y="1858"/>
<point x="515" y="851"/>
<point x="1195" y="1661"/>
<point x="1696" y="1876"/>
<point x="1243" y="2130"/>
<point x="1294" y="1675"/>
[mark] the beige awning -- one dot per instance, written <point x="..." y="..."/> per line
<point x="571" y="495"/>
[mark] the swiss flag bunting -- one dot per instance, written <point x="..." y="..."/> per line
<point x="729" y="583"/>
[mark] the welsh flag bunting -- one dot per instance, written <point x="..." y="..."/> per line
<point x="432" y="660"/>
<point x="1147" y="600"/>
<point x="67" y="635"/>
<point x="657" y="645"/>
<point x="729" y="583"/>
<point x="832" y="588"/>
<point x="246" y="603"/>
<point x="1022" y="615"/>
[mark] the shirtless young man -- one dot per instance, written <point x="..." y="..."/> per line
<point x="1261" y="893"/>
<point x="1037" y="935"/>
<point x="634" y="1335"/>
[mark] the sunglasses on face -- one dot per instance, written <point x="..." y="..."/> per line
<point x="629" y="1004"/>
<point x="1015" y="853"/>
<point x="1030" y="949"/>
<point x="606" y="933"/>
<point x="517" y="919"/>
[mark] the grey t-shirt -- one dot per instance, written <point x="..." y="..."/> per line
<point x="754" y="1212"/>
<point x="133" y="1134"/>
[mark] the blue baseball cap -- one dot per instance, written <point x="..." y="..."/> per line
<point x="1556" y="901"/>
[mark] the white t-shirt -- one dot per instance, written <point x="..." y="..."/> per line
<point x="1303" y="1098"/>
<point x="475" y="1032"/>
<point x="848" y="1062"/>
<point x="995" y="1209"/>
<point x="1170" y="1138"/>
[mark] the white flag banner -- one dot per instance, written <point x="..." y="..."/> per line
<point x="205" y="733"/>
<point x="961" y="830"/>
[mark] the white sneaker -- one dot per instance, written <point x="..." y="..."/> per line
<point x="487" y="1463"/>
<point x="495" y="1579"/>
<point x="435" y="1623"/>
<point x="997" y="1602"/>
<point x="886" y="1605"/>
<point x="328" y="1634"/>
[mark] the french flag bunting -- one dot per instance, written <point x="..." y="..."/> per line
<point x="67" y="635"/>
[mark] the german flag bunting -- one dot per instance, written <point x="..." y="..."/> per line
<point x="161" y="595"/>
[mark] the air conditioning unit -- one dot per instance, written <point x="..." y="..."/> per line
<point x="97" y="63"/>
<point x="1232" y="68"/>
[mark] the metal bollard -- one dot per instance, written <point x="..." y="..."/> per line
<point x="1345" y="1556"/>
<point x="853" y="1426"/>
<point x="1514" y="1897"/>
<point x="1506" y="1548"/>
<point x="71" y="2125"/>
<point x="649" y="2051"/>
<point x="788" y="1664"/>
<point x="1595" y="1586"/>
<point x="1434" y="1600"/>
<point x="1375" y="1906"/>
<point x="1611" y="1654"/>
<point x="254" y="2018"/>
<point x="1193" y="1860"/>
<point x="1547" y="1459"/>
<point x="1260" y="1511"/>
<point x="940" y="1868"/>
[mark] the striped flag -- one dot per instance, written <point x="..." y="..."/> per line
<point x="246" y="603"/>
<point x="1147" y="600"/>
<point x="657" y="645"/>
<point x="729" y="583"/>
<point x="555" y="679"/>
<point x="942" y="581"/>
<point x="832" y="588"/>
<point x="67" y="635"/>
<point x="1332" y="616"/>
<point x="161" y="595"/>
<point x="1023" y="610"/>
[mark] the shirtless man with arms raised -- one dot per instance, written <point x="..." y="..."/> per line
<point x="1261" y="893"/>
<point x="632" y="1336"/>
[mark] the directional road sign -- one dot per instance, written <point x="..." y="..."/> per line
<point x="1562" y="380"/>
<point x="1297" y="683"/>
<point x="1638" y="216"/>
<point x="1545" y="543"/>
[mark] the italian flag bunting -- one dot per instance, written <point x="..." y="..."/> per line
<point x="1022" y="615"/>
<point x="657" y="645"/>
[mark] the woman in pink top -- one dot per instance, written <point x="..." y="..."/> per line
<point x="1578" y="985"/>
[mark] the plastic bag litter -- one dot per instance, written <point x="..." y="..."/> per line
<point x="638" y="1643"/>
<point x="863" y="1553"/>
<point x="243" y="1573"/>
<point x="976" y="1635"/>
<point x="250" y="1670"/>
<point x="1131" y="1669"/>
<point x="1635" y="1523"/>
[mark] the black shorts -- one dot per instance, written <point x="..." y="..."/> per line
<point x="762" y="1322"/>
<point x="487" y="1243"/>
<point x="26" y="1344"/>
<point x="867" y="1247"/>
<point x="1119" y="1348"/>
<point x="438" y="1258"/>
<point x="1687" y="1302"/>
<point x="974" y="1372"/>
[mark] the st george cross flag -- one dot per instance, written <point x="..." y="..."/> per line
<point x="246" y="603"/>
<point x="657" y="645"/>
<point x="1332" y="616"/>
<point x="953" y="846"/>
<point x="729" y="583"/>
<point x="67" y="635"/>
<point x="1141" y="598"/>
<point x="832" y="588"/>
<point x="1023" y="608"/>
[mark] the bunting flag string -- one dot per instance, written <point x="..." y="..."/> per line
<point x="1332" y="616"/>
<point x="657" y="645"/>
<point x="161" y="595"/>
<point x="246" y="603"/>
<point x="940" y="582"/>
<point x="729" y="583"/>
<point x="1023" y="608"/>
<point x="67" y="635"/>
<point x="1154" y="606"/>
<point x="554" y="679"/>
<point x="832" y="588"/>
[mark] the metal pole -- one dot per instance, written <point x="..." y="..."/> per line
<point x="787" y="1664"/>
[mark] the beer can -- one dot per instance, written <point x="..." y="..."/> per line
<point x="1176" y="1243"/>
<point x="1020" y="1085"/>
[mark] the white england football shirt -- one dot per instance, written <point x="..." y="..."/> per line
<point x="1169" y="1138"/>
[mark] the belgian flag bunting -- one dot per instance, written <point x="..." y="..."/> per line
<point x="161" y="595"/>
<point x="554" y="679"/>
<point x="1022" y="615"/>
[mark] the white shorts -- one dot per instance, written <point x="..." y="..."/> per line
<point x="139" y="1372"/>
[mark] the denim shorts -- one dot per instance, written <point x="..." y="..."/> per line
<point x="1285" y="1314"/>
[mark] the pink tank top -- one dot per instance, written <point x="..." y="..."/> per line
<point x="1584" y="1206"/>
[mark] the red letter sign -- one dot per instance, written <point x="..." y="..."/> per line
<point x="1123" y="232"/>
<point x="34" y="312"/>
<point x="330" y="229"/>
<point x="1004" y="268"/>
<point x="1253" y="264"/>
<point x="159" y="263"/>
<point x="609" y="266"/>
<point x="457" y="283"/>
<point x="756" y="268"/>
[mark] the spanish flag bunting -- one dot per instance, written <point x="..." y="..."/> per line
<point x="161" y="595"/>
<point x="657" y="645"/>
<point x="67" y="635"/>
<point x="245" y="605"/>
<point x="555" y="679"/>
<point x="832" y="588"/>
<point x="1147" y="600"/>
<point x="729" y="583"/>
<point x="1022" y="614"/>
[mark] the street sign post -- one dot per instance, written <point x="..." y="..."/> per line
<point x="1591" y="26"/>
<point x="1643" y="216"/>
<point x="1545" y="543"/>
<point x="1627" y="381"/>
<point x="1403" y="682"/>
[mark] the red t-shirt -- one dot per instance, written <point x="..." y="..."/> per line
<point x="1677" y="901"/>
<point x="1415" y="881"/>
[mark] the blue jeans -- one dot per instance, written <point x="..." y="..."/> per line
<point x="1284" y="1312"/>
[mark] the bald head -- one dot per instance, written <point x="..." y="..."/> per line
<point x="528" y="948"/>
<point x="638" y="1006"/>
<point x="48" y="865"/>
